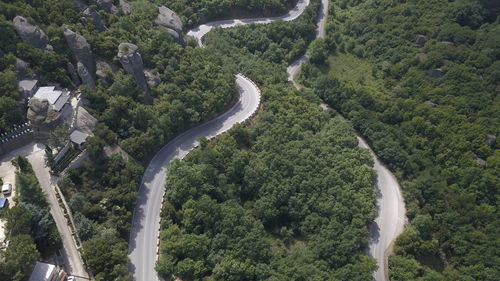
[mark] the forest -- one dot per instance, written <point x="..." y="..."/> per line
<point x="289" y="198"/>
<point x="29" y="227"/>
<point x="420" y="80"/>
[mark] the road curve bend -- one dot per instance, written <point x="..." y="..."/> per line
<point x="200" y="31"/>
<point x="143" y="244"/>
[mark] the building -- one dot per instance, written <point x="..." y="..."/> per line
<point x="78" y="139"/>
<point x="57" y="98"/>
<point x="27" y="88"/>
<point x="44" y="272"/>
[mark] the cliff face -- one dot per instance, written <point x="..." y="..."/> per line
<point x="83" y="55"/>
<point x="171" y="22"/>
<point x="131" y="61"/>
<point x="31" y="33"/>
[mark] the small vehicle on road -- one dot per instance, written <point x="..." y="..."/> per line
<point x="71" y="278"/>
<point x="7" y="188"/>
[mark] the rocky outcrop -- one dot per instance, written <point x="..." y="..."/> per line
<point x="20" y="68"/>
<point x="153" y="77"/>
<point x="72" y="72"/>
<point x="39" y="113"/>
<point x="131" y="61"/>
<point x="96" y="19"/>
<point x="491" y="140"/>
<point x="107" y="6"/>
<point x="31" y="33"/>
<point x="435" y="73"/>
<point x="430" y="103"/>
<point x="80" y="48"/>
<point x="84" y="74"/>
<point x="125" y="7"/>
<point x="171" y="22"/>
<point x="103" y="70"/>
<point x="83" y="55"/>
<point x="420" y="39"/>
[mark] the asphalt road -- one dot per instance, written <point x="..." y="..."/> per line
<point x="73" y="261"/>
<point x="143" y="244"/>
<point x="390" y="219"/>
<point x="200" y="31"/>
<point x="294" y="68"/>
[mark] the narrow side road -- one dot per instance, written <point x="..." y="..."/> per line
<point x="71" y="256"/>
<point x="143" y="244"/>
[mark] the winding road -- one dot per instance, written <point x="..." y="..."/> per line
<point x="143" y="244"/>
<point x="144" y="241"/>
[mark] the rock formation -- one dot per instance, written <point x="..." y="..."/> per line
<point x="20" y="67"/>
<point x="107" y="6"/>
<point x="435" y="73"/>
<point x="420" y="39"/>
<point x="31" y="33"/>
<point x="96" y="18"/>
<point x="171" y="22"/>
<point x="152" y="77"/>
<point x="39" y="113"/>
<point x="125" y="7"/>
<point x="491" y="140"/>
<point x="103" y="70"/>
<point x="131" y="61"/>
<point x="83" y="54"/>
<point x="430" y="103"/>
<point x="80" y="48"/>
<point x="84" y="74"/>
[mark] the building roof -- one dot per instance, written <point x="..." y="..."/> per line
<point x="43" y="272"/>
<point x="27" y="85"/>
<point x="78" y="137"/>
<point x="3" y="201"/>
<point x="57" y="98"/>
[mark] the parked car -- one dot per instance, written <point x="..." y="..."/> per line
<point x="71" y="278"/>
<point x="7" y="188"/>
<point x="4" y="203"/>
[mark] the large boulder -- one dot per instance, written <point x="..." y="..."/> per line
<point x="96" y="19"/>
<point x="420" y="39"/>
<point x="37" y="110"/>
<point x="435" y="73"/>
<point x="31" y="33"/>
<point x="84" y="74"/>
<point x="103" y="71"/>
<point x="152" y="77"/>
<point x="125" y="7"/>
<point x="171" y="22"/>
<point x="131" y="61"/>
<point x="20" y="67"/>
<point x="491" y="140"/>
<point x="81" y="49"/>
<point x="107" y="6"/>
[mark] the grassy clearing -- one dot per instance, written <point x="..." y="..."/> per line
<point x="353" y="70"/>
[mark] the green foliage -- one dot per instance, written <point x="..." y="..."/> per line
<point x="196" y="12"/>
<point x="102" y="196"/>
<point x="430" y="131"/>
<point x="18" y="259"/>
